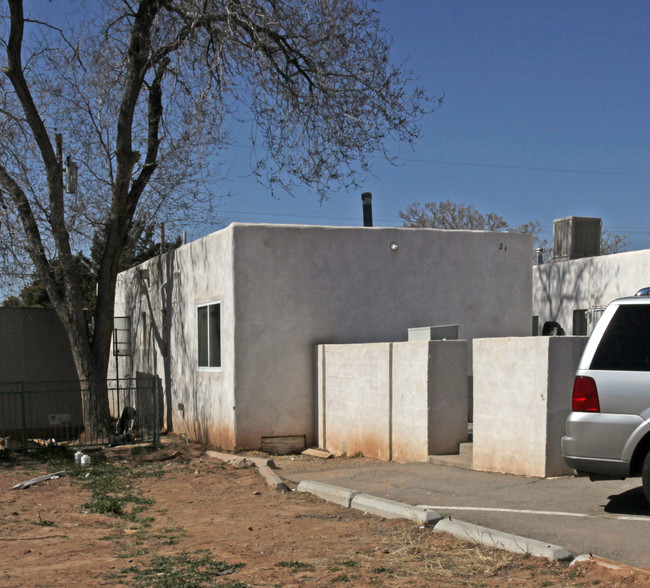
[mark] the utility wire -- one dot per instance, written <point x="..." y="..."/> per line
<point x="528" y="168"/>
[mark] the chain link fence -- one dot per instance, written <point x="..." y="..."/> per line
<point x="34" y="414"/>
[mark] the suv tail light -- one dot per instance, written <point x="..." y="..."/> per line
<point x="585" y="395"/>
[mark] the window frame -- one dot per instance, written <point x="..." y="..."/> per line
<point x="209" y="342"/>
<point x="623" y="346"/>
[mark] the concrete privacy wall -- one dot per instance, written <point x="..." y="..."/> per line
<point x="286" y="288"/>
<point x="522" y="397"/>
<point x="393" y="401"/>
<point x="560" y="288"/>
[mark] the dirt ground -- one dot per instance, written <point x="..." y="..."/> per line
<point x="196" y="521"/>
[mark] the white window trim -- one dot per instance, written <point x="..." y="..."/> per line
<point x="208" y="368"/>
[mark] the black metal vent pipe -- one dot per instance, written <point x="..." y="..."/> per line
<point x="366" y="199"/>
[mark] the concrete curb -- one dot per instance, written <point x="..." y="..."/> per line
<point x="507" y="541"/>
<point x="390" y="509"/>
<point x="328" y="492"/>
<point x="263" y="465"/>
<point x="608" y="563"/>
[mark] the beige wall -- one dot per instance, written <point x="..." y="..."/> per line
<point x="562" y="287"/>
<point x="287" y="288"/>
<point x="522" y="397"/>
<point x="393" y="401"/>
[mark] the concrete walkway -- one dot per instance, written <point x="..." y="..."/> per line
<point x="606" y="519"/>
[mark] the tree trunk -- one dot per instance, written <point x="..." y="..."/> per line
<point x="95" y="410"/>
<point x="92" y="372"/>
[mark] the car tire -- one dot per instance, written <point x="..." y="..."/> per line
<point x="645" y="476"/>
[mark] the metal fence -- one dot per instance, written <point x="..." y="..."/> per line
<point x="34" y="414"/>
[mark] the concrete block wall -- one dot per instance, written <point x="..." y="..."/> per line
<point x="522" y="397"/>
<point x="393" y="401"/>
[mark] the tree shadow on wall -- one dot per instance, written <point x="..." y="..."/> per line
<point x="570" y="285"/>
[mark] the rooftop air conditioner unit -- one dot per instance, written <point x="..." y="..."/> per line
<point x="575" y="237"/>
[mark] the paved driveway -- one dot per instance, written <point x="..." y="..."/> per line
<point x="608" y="519"/>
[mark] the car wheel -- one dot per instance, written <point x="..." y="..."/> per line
<point x="645" y="476"/>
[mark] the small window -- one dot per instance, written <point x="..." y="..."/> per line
<point x="625" y="345"/>
<point x="209" y="335"/>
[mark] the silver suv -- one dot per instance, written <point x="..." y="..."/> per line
<point x="608" y="432"/>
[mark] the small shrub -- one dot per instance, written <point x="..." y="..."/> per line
<point x="294" y="566"/>
<point x="108" y="505"/>
<point x="184" y="570"/>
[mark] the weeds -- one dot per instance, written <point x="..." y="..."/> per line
<point x="382" y="570"/>
<point x="182" y="571"/>
<point x="112" y="492"/>
<point x="294" y="566"/>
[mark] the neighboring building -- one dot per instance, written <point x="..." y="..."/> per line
<point x="35" y="356"/>
<point x="229" y="323"/>
<point x="574" y="292"/>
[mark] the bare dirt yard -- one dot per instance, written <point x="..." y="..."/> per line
<point x="177" y="518"/>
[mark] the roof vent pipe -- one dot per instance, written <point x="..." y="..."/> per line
<point x="366" y="199"/>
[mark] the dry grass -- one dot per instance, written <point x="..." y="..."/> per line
<point x="195" y="514"/>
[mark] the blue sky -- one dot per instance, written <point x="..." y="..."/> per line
<point x="545" y="116"/>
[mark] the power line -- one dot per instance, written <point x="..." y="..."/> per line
<point x="528" y="168"/>
<point x="504" y="166"/>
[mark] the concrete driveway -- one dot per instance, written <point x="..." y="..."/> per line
<point x="608" y="519"/>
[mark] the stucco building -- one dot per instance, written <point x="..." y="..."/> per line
<point x="229" y="323"/>
<point x="573" y="291"/>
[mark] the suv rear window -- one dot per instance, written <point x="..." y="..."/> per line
<point x="626" y="342"/>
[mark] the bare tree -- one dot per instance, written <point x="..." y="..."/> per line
<point x="613" y="242"/>
<point x="142" y="95"/>
<point x="452" y="215"/>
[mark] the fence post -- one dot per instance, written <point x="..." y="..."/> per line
<point x="23" y="414"/>
<point x="154" y="396"/>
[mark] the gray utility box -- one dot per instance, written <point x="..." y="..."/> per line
<point x="575" y="237"/>
<point x="437" y="333"/>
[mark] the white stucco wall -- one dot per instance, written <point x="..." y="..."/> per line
<point x="393" y="401"/>
<point x="522" y="397"/>
<point x="562" y="287"/>
<point x="286" y="288"/>
<point x="429" y="399"/>
<point x="197" y="402"/>
<point x="355" y="399"/>
<point x="299" y="286"/>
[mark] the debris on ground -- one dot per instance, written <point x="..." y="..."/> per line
<point x="28" y="483"/>
<point x="317" y="453"/>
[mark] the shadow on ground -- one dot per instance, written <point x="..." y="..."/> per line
<point x="632" y="502"/>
